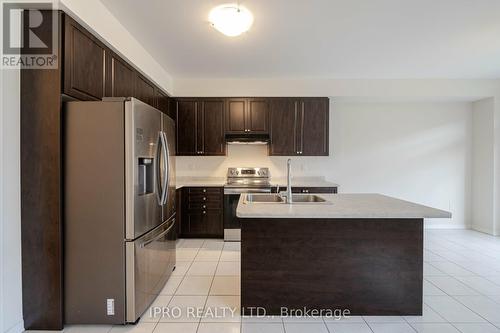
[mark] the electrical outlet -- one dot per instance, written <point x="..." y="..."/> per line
<point x="110" y="306"/>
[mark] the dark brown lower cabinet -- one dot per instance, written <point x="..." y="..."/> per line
<point x="201" y="212"/>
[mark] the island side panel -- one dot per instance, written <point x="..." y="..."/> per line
<point x="369" y="266"/>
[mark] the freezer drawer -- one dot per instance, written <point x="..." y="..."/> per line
<point x="150" y="261"/>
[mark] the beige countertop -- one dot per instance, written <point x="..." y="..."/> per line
<point x="199" y="181"/>
<point x="362" y="205"/>
<point x="220" y="181"/>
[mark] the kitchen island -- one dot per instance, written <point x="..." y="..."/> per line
<point x="356" y="252"/>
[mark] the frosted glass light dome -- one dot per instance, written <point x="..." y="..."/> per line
<point x="231" y="19"/>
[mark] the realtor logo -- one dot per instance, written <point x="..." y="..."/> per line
<point x="30" y="35"/>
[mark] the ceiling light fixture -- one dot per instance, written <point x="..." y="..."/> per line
<point x="231" y="19"/>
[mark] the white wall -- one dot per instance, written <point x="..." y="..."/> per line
<point x="10" y="208"/>
<point x="459" y="90"/>
<point x="414" y="151"/>
<point x="483" y="147"/>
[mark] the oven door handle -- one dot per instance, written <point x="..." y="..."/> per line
<point x="246" y="190"/>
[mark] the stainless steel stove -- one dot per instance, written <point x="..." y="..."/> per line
<point x="241" y="180"/>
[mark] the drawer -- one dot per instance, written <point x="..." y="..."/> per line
<point x="204" y="198"/>
<point x="205" y="190"/>
<point x="205" y="205"/>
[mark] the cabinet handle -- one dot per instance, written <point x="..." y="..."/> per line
<point x="204" y="206"/>
<point x="204" y="199"/>
<point x="204" y="190"/>
<point x="204" y="212"/>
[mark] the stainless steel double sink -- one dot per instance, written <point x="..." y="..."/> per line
<point x="275" y="198"/>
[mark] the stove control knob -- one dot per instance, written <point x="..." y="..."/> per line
<point x="237" y="172"/>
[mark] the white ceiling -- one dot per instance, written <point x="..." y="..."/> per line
<point x="357" y="39"/>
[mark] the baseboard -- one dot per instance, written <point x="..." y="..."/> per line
<point x="484" y="230"/>
<point x="445" y="226"/>
<point x="17" y="328"/>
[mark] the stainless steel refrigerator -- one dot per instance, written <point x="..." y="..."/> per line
<point x="119" y="209"/>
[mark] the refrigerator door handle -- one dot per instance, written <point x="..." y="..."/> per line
<point x="159" y="189"/>
<point x="146" y="243"/>
<point x="167" y="168"/>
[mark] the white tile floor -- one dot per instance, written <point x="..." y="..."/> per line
<point x="461" y="293"/>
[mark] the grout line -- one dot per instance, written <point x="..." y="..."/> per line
<point x="208" y="293"/>
<point x="470" y="308"/>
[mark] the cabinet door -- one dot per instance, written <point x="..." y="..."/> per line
<point x="84" y="63"/>
<point x="196" y="223"/>
<point x="257" y="115"/>
<point x="235" y="115"/>
<point x="200" y="128"/>
<point x="213" y="127"/>
<point x="186" y="127"/>
<point x="162" y="101"/>
<point x="283" y="119"/>
<point x="314" y="127"/>
<point x="214" y="225"/>
<point x="144" y="90"/>
<point x="120" y="77"/>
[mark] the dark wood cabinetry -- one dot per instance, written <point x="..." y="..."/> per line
<point x="121" y="77"/>
<point x="163" y="103"/>
<point x="186" y="124"/>
<point x="247" y="115"/>
<point x="299" y="126"/>
<point x="144" y="90"/>
<point x="93" y="71"/>
<point x="213" y="127"/>
<point x="283" y="120"/>
<point x="202" y="212"/>
<point x="200" y="127"/>
<point x="84" y="63"/>
<point x="313" y="129"/>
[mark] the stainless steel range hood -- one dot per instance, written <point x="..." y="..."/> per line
<point x="247" y="139"/>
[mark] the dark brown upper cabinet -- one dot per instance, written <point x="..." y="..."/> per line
<point x="144" y="90"/>
<point x="200" y="127"/>
<point x="247" y="115"/>
<point x="313" y="130"/>
<point x="299" y="126"/>
<point x="163" y="103"/>
<point x="84" y="63"/>
<point x="186" y="125"/>
<point x="283" y="119"/>
<point x="120" y="77"/>
<point x="213" y="127"/>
